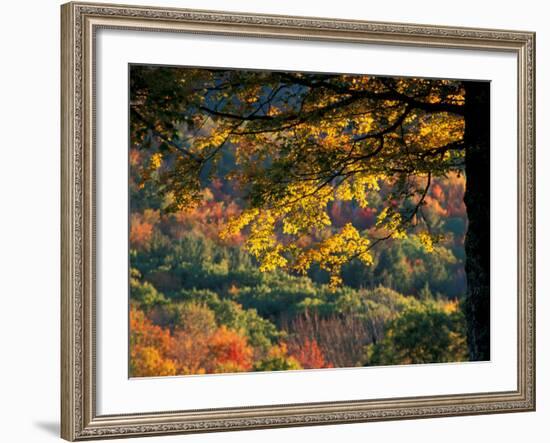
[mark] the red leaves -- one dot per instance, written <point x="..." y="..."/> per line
<point x="230" y="350"/>
<point x="150" y="347"/>
<point x="154" y="351"/>
<point x="309" y="355"/>
<point x="142" y="227"/>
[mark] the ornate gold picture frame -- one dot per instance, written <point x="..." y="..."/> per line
<point x="80" y="23"/>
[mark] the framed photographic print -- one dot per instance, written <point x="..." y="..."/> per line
<point x="282" y="221"/>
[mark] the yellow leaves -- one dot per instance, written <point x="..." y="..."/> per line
<point x="212" y="139"/>
<point x="425" y="130"/>
<point x="261" y="241"/>
<point x="364" y="124"/>
<point x="305" y="207"/>
<point x="334" y="252"/>
<point x="324" y="143"/>
<point x="365" y="256"/>
<point x="275" y="232"/>
<point x="356" y="189"/>
<point x="273" y="259"/>
<point x="155" y="161"/>
<point x="149" y="168"/>
<point x="456" y="98"/>
<point x="235" y="225"/>
<point x="426" y="241"/>
<point x="219" y="137"/>
<point x="147" y="361"/>
<point x="289" y="227"/>
<point x="273" y="111"/>
<point x="344" y="192"/>
<point x="429" y="242"/>
<point x="329" y="135"/>
<point x="399" y="234"/>
<point x="437" y="97"/>
<point x="335" y="281"/>
<point x="382" y="216"/>
<point x="262" y="234"/>
<point x="438" y="130"/>
<point x="371" y="182"/>
<point x="250" y="95"/>
<point x="451" y="306"/>
<point x="392" y="222"/>
<point x="300" y="214"/>
<point x="433" y="98"/>
<point x="361" y="183"/>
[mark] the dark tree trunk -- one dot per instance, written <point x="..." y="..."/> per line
<point x="477" y="200"/>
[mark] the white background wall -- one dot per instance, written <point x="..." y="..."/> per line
<point x="29" y="219"/>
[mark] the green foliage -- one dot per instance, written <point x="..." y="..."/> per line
<point x="425" y="293"/>
<point x="191" y="317"/>
<point x="406" y="267"/>
<point x="144" y="293"/>
<point x="277" y="360"/>
<point x="425" y="332"/>
<point x="194" y="280"/>
<point x="247" y="236"/>
<point x="300" y="143"/>
<point x="260" y="332"/>
<point x="277" y="364"/>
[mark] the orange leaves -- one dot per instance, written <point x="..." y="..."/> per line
<point x="145" y="333"/>
<point x="140" y="232"/>
<point x="191" y="336"/>
<point x="197" y="347"/>
<point x="446" y="197"/>
<point x="230" y="351"/>
<point x="290" y="145"/>
<point x="134" y="157"/>
<point x="148" y="362"/>
<point x="190" y="352"/>
<point x="207" y="217"/>
<point x="150" y="347"/>
<point x="309" y="354"/>
<point x="141" y="228"/>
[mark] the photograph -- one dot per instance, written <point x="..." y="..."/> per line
<point x="285" y="220"/>
<point x="273" y="221"/>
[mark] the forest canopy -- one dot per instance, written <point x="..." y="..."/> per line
<point x="348" y="182"/>
<point x="300" y="142"/>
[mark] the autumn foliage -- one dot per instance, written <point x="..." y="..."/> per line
<point x="151" y="347"/>
<point x="309" y="355"/>
<point x="286" y="221"/>
<point x="230" y="351"/>
<point x="156" y="351"/>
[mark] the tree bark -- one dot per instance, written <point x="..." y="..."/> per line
<point x="477" y="200"/>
